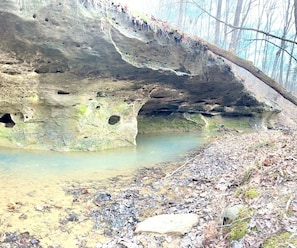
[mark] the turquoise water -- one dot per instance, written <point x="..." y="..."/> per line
<point x="150" y="150"/>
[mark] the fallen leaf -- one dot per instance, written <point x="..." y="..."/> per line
<point x="256" y="178"/>
<point x="210" y="232"/>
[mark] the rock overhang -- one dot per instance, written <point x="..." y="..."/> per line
<point x="76" y="76"/>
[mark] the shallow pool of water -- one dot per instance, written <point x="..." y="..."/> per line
<point x="34" y="185"/>
<point x="150" y="151"/>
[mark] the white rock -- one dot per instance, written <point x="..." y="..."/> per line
<point x="232" y="213"/>
<point x="168" y="223"/>
<point x="39" y="208"/>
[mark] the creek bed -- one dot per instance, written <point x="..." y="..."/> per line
<point x="46" y="195"/>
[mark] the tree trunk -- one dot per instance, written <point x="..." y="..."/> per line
<point x="257" y="55"/>
<point x="180" y="15"/>
<point x="246" y="12"/>
<point x="287" y="85"/>
<point x="277" y="70"/>
<point x="295" y="14"/>
<point x="234" y="37"/>
<point x="252" y="69"/>
<point x="209" y="28"/>
<point x="218" y="24"/>
<point x="225" y="40"/>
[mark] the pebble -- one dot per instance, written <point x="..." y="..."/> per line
<point x="101" y="197"/>
<point x="39" y="208"/>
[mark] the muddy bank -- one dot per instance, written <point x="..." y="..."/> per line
<point x="256" y="171"/>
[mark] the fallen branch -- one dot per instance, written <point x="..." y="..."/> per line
<point x="182" y="166"/>
<point x="252" y="69"/>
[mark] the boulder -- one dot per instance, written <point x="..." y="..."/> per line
<point x="178" y="224"/>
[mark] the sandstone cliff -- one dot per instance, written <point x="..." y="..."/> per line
<point x="78" y="75"/>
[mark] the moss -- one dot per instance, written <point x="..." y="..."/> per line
<point x="140" y="15"/>
<point x="197" y="119"/>
<point x="238" y="230"/>
<point x="161" y="124"/>
<point x="239" y="226"/>
<point x="216" y="122"/>
<point x="188" y="122"/>
<point x="238" y="192"/>
<point x="251" y="193"/>
<point x="281" y="240"/>
<point x="5" y="132"/>
<point x="83" y="109"/>
<point x="34" y="99"/>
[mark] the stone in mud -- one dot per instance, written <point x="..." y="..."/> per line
<point x="168" y="224"/>
<point x="104" y="196"/>
<point x="72" y="217"/>
<point x="101" y="197"/>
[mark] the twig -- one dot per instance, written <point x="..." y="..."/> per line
<point x="235" y="221"/>
<point x="182" y="166"/>
<point x="243" y="28"/>
<point x="289" y="203"/>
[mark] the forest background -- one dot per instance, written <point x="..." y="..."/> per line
<point x="260" y="31"/>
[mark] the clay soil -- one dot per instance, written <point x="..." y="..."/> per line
<point x="257" y="170"/>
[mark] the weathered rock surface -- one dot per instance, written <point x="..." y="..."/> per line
<point x="168" y="223"/>
<point x="231" y="213"/>
<point x="77" y="75"/>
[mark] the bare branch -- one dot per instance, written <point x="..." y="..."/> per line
<point x="242" y="28"/>
<point x="249" y="66"/>
<point x="274" y="45"/>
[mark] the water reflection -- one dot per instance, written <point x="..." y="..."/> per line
<point x="150" y="150"/>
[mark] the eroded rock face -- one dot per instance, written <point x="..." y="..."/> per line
<point x="75" y="75"/>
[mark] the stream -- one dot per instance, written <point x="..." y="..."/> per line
<point x="150" y="150"/>
<point x="41" y="191"/>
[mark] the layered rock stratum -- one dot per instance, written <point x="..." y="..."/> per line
<point x="80" y="75"/>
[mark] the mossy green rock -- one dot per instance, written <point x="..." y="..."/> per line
<point x="237" y="219"/>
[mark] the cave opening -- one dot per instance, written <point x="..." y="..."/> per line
<point x="6" y="119"/>
<point x="156" y="116"/>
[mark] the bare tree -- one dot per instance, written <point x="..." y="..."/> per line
<point x="226" y="21"/>
<point x="246" y="28"/>
<point x="218" y="24"/>
<point x="270" y="17"/>
<point x="246" y="11"/>
<point x="287" y="84"/>
<point x="258" y="45"/>
<point x="277" y="70"/>
<point x="234" y="38"/>
<point x="295" y="14"/>
<point x="210" y="27"/>
<point x="180" y="15"/>
<point x="266" y="38"/>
